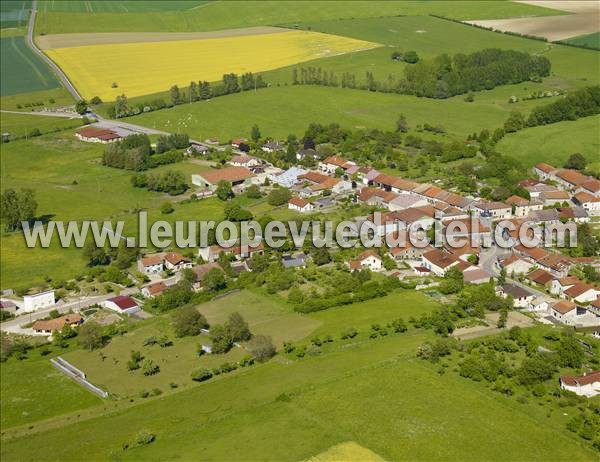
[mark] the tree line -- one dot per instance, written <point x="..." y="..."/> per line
<point x="197" y="91"/>
<point x="134" y="152"/>
<point x="443" y="76"/>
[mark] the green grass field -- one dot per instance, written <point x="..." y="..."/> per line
<point x="14" y="13"/>
<point x="297" y="106"/>
<point x="21" y="125"/>
<point x="108" y="6"/>
<point x="21" y="71"/>
<point x="590" y="40"/>
<point x="554" y="143"/>
<point x="33" y="390"/>
<point x="217" y="15"/>
<point x="375" y="394"/>
<point x="47" y="98"/>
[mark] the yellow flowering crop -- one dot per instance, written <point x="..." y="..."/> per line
<point x="152" y="67"/>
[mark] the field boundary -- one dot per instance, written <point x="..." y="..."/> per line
<point x="77" y="375"/>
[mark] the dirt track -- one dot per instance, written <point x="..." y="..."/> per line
<point x="74" y="40"/>
<point x="585" y="20"/>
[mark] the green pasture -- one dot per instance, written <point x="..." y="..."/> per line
<point x="33" y="390"/>
<point x="21" y="125"/>
<point x="43" y="98"/>
<point x="589" y="40"/>
<point x="554" y="143"/>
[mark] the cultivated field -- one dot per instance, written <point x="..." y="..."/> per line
<point x="586" y="19"/>
<point x="218" y="15"/>
<point x="590" y="40"/>
<point x="22" y="71"/>
<point x="142" y="68"/>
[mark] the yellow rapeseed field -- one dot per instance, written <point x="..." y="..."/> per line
<point x="152" y="67"/>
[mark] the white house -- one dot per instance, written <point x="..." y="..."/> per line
<point x="564" y="311"/>
<point x="515" y="265"/>
<point x="151" y="264"/>
<point x="300" y="205"/>
<point x="122" y="304"/>
<point x="539" y="304"/>
<point x="272" y="146"/>
<point x="589" y="202"/>
<point x="523" y="207"/>
<point x="584" y="385"/>
<point x="38" y="301"/>
<point x="176" y="262"/>
<point x="558" y="286"/>
<point x="154" y="290"/>
<point x="582" y="293"/>
<point x="439" y="262"/>
<point x="521" y="297"/>
<point x="244" y="161"/>
<point x="544" y="171"/>
<point x="332" y="163"/>
<point x="493" y="210"/>
<point x="367" y="260"/>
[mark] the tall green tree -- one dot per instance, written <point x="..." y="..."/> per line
<point x="17" y="207"/>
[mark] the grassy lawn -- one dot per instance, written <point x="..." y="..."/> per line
<point x="217" y="15"/>
<point x="34" y="390"/>
<point x="21" y="125"/>
<point x="554" y="143"/>
<point x="375" y="394"/>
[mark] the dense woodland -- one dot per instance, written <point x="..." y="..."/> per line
<point x="443" y="76"/>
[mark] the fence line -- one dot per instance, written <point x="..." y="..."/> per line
<point x="77" y="375"/>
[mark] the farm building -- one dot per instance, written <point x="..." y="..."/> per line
<point x="97" y="135"/>
<point x="288" y="178"/>
<point x="235" y="176"/>
<point x="122" y="304"/>
<point x="50" y="325"/>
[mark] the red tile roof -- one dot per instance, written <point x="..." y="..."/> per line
<point x="229" y="174"/>
<point x="564" y="306"/>
<point x="123" y="302"/>
<point x="299" y="202"/>
<point x="585" y="379"/>
<point x="546" y="168"/>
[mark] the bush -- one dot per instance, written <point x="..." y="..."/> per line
<point x="262" y="347"/>
<point x="150" y="368"/>
<point x="351" y="332"/>
<point x="201" y="375"/>
<point x="166" y="208"/>
<point x="144" y="437"/>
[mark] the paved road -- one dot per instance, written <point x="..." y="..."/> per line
<point x="57" y="70"/>
<point x="14" y="325"/>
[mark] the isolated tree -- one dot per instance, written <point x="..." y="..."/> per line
<point x="81" y="106"/>
<point x="94" y="254"/>
<point x="279" y="196"/>
<point x="187" y="321"/>
<point x="17" y="207"/>
<point x="238" y="327"/>
<point x="401" y="124"/>
<point x="576" y="161"/>
<point x="221" y="339"/>
<point x="262" y="347"/>
<point x="214" y="280"/>
<point x="411" y="57"/>
<point x="453" y="281"/>
<point x="502" y="277"/>
<point x="224" y="190"/>
<point x="90" y="335"/>
<point x="255" y="133"/>
<point x="570" y="352"/>
<point x="175" y="94"/>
